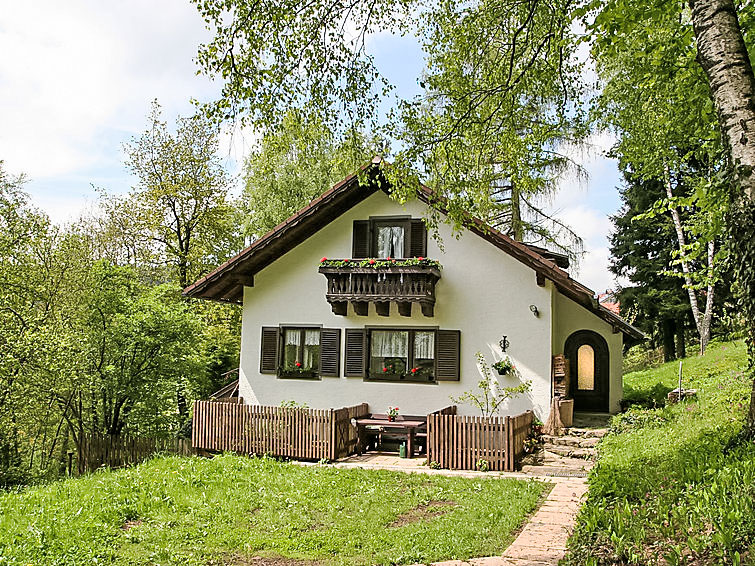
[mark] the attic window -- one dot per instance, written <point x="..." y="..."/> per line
<point x="395" y="237"/>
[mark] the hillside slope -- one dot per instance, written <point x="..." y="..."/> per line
<point x="675" y="484"/>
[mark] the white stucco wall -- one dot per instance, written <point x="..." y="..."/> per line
<point x="482" y="292"/>
<point x="571" y="317"/>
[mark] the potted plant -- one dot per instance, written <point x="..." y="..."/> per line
<point x="392" y="413"/>
<point x="504" y="366"/>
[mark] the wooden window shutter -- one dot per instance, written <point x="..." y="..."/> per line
<point x="330" y="352"/>
<point x="269" y="349"/>
<point x="418" y="238"/>
<point x="361" y="239"/>
<point x="447" y="355"/>
<point x="356" y="345"/>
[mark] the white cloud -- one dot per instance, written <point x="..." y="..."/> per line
<point x="76" y="75"/>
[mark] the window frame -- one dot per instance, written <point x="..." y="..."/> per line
<point x="281" y="372"/>
<point x="369" y="375"/>
<point x="404" y="222"/>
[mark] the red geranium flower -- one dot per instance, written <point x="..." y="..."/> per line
<point x="385" y="369"/>
<point x="420" y="258"/>
<point x="388" y="258"/>
<point x="298" y="364"/>
<point x="372" y="262"/>
<point x="415" y="370"/>
<point x="324" y="259"/>
<point x="346" y="260"/>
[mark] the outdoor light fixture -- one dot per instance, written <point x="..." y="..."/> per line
<point x="534" y="310"/>
<point x="504" y="343"/>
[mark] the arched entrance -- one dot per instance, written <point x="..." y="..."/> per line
<point x="587" y="352"/>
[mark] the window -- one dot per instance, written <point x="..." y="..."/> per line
<point x="383" y="237"/>
<point x="402" y="355"/>
<point x="304" y="352"/>
<point x="301" y="352"/>
<point x="389" y="240"/>
<point x="585" y="368"/>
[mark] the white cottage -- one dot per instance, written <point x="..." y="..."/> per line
<point x="348" y="301"/>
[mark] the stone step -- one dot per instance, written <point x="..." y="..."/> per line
<point x="578" y="441"/>
<point x="586" y="432"/>
<point x="548" y="457"/>
<point x="555" y="471"/>
<point x="571" y="451"/>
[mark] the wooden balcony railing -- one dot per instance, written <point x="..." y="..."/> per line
<point x="361" y="286"/>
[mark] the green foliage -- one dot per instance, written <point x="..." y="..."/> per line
<point x="490" y="394"/>
<point x="675" y="483"/>
<point x="500" y="98"/>
<point x="293" y="165"/>
<point x="92" y="338"/>
<point x="179" y="215"/>
<point x="193" y="512"/>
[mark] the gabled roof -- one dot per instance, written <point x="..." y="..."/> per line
<point x="226" y="283"/>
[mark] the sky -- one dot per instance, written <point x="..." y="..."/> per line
<point x="77" y="79"/>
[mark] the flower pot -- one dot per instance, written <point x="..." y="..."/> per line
<point x="503" y="371"/>
<point x="391" y="418"/>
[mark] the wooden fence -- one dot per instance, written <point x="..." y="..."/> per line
<point x="118" y="451"/>
<point x="291" y="432"/>
<point x="460" y="442"/>
<point x="518" y="428"/>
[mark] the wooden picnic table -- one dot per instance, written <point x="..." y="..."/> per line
<point x="400" y="426"/>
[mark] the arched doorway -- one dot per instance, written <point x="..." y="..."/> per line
<point x="587" y="352"/>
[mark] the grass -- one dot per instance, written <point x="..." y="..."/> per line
<point x="675" y="484"/>
<point x="193" y="511"/>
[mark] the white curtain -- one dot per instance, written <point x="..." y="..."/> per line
<point x="390" y="241"/>
<point x="424" y="345"/>
<point x="293" y="337"/>
<point x="312" y="337"/>
<point x="387" y="344"/>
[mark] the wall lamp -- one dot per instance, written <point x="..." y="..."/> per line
<point x="534" y="310"/>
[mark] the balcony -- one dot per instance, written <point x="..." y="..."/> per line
<point x="361" y="282"/>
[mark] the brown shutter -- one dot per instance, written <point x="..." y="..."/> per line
<point x="361" y="239"/>
<point x="418" y="238"/>
<point x="447" y="355"/>
<point x="330" y="352"/>
<point x="356" y="344"/>
<point x="269" y="349"/>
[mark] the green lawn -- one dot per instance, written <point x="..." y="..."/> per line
<point x="193" y="511"/>
<point x="676" y="484"/>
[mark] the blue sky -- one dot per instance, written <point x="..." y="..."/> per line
<point x="77" y="79"/>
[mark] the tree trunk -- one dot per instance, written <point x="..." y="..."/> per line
<point x="710" y="292"/>
<point x="668" y="330"/>
<point x="517" y="228"/>
<point x="723" y="56"/>
<point x="682" y="241"/>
